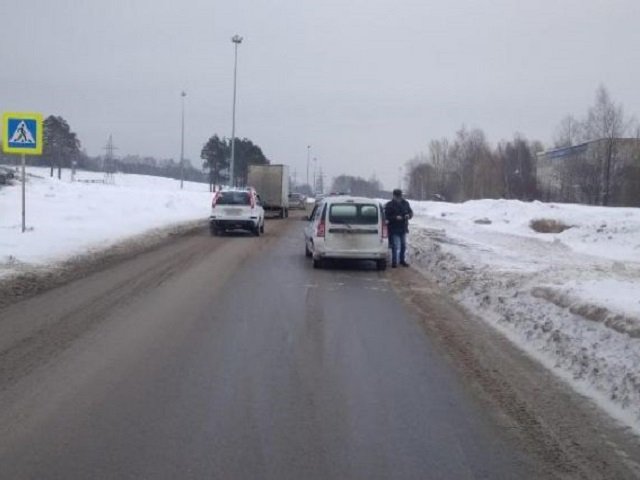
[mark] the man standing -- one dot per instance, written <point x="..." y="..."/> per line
<point x="398" y="213"/>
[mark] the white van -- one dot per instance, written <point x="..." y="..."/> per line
<point x="345" y="227"/>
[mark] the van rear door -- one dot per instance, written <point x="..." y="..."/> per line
<point x="353" y="227"/>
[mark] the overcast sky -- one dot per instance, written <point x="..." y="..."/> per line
<point x="367" y="83"/>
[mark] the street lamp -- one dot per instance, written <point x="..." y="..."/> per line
<point x="315" y="166"/>
<point x="308" y="155"/>
<point x="237" y="40"/>
<point x="183" y="94"/>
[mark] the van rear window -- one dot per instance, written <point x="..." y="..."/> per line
<point x="233" y="198"/>
<point x="354" y="213"/>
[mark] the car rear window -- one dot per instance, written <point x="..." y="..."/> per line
<point x="234" y="198"/>
<point x="353" y="213"/>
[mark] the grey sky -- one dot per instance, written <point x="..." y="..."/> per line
<point x="367" y="83"/>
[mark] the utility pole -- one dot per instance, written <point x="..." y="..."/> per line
<point x="109" y="162"/>
<point x="237" y="40"/>
<point x="183" y="94"/>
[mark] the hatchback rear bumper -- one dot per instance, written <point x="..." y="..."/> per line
<point x="229" y="224"/>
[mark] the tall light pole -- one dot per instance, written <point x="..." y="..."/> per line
<point x="237" y="40"/>
<point x="182" y="95"/>
<point x="315" y="166"/>
<point x="308" y="155"/>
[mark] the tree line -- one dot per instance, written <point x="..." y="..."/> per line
<point x="358" y="186"/>
<point x="63" y="149"/>
<point x="469" y="167"/>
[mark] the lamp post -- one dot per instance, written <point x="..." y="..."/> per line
<point x="237" y="40"/>
<point x="315" y="166"/>
<point x="182" y="95"/>
<point x="308" y="156"/>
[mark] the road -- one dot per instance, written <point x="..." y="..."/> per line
<point x="232" y="358"/>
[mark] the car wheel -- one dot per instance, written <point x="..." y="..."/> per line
<point x="214" y="231"/>
<point x="317" y="263"/>
<point x="262" y="227"/>
<point x="307" y="252"/>
<point x="381" y="265"/>
<point x="256" y="230"/>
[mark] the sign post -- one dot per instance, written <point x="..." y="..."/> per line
<point x="22" y="134"/>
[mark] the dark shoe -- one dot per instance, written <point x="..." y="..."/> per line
<point x="404" y="264"/>
<point x="394" y="265"/>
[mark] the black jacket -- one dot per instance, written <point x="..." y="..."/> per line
<point x="393" y="210"/>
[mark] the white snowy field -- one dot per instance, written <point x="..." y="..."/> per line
<point x="66" y="219"/>
<point x="571" y="300"/>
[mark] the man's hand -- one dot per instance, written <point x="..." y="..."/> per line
<point x="398" y="217"/>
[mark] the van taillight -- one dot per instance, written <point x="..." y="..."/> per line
<point x="321" y="229"/>
<point x="385" y="230"/>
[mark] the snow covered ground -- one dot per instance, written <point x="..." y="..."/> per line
<point x="571" y="300"/>
<point x="65" y="218"/>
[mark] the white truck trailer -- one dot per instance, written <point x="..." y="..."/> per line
<point x="272" y="184"/>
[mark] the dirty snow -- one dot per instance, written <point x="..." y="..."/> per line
<point x="570" y="299"/>
<point x="67" y="218"/>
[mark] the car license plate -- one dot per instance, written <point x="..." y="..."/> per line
<point x="232" y="211"/>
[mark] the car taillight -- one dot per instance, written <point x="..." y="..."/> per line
<point x="321" y="229"/>
<point x="215" y="199"/>
<point x="385" y="231"/>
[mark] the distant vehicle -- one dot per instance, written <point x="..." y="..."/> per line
<point x="236" y="209"/>
<point x="438" y="198"/>
<point x="272" y="184"/>
<point x="346" y="227"/>
<point x="297" y="200"/>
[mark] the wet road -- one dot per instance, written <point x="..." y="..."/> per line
<point x="232" y="358"/>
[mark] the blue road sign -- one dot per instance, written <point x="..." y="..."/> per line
<point x="22" y="133"/>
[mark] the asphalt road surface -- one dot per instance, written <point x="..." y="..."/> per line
<point x="232" y="358"/>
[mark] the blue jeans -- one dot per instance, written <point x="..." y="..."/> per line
<point x="398" y="242"/>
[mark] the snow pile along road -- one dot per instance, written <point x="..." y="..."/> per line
<point x="570" y="299"/>
<point x="67" y="218"/>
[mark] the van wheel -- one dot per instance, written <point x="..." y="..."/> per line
<point x="262" y="227"/>
<point x="256" y="230"/>
<point x="381" y="265"/>
<point x="317" y="263"/>
<point x="307" y="252"/>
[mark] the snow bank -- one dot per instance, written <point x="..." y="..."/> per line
<point x="570" y="299"/>
<point x="65" y="218"/>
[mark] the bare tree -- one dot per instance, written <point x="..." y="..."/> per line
<point x="606" y="121"/>
<point x="569" y="132"/>
<point x="517" y="159"/>
<point x="439" y="160"/>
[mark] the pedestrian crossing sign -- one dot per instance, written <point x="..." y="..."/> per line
<point x="22" y="133"/>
